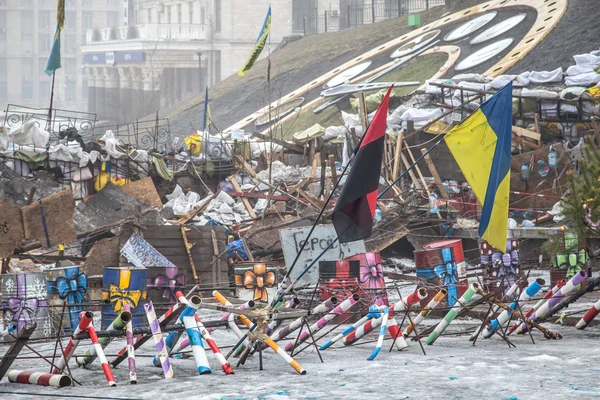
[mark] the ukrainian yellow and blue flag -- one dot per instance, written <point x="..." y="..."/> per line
<point x="481" y="145"/>
<point x="259" y="46"/>
<point x="53" y="62"/>
<point x="206" y="118"/>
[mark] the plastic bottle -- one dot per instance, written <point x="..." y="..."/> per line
<point x="542" y="168"/>
<point x="552" y="158"/>
<point x="433" y="203"/>
<point x="525" y="171"/>
<point x="378" y="215"/>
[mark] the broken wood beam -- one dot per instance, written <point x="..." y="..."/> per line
<point x="435" y="174"/>
<point x="260" y="196"/>
<point x="245" y="201"/>
<point x="282" y="143"/>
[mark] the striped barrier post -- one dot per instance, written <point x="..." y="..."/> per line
<point x="206" y="335"/>
<point x="439" y="296"/>
<point x="505" y="315"/>
<point x="100" y="353"/>
<point x="382" y="330"/>
<point x="373" y="313"/>
<point x="158" y="340"/>
<point x="546" y="309"/>
<point x="508" y="295"/>
<point x="324" y="307"/>
<point x="452" y="313"/>
<point x="537" y="305"/>
<point x="188" y="319"/>
<point x="393" y="328"/>
<point x="589" y="316"/>
<point x="130" y="349"/>
<point x="321" y="323"/>
<point x="84" y="321"/>
<point x="412" y="299"/>
<point x="119" y="324"/>
<point x="39" y="378"/>
<point x="268" y="341"/>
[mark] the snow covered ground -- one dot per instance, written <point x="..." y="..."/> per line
<point x="452" y="369"/>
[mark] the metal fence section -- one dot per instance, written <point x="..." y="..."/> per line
<point x="309" y="20"/>
<point x="55" y="121"/>
<point x="154" y="134"/>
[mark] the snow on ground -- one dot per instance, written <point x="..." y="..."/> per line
<point x="452" y="369"/>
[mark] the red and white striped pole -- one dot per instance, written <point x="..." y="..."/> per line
<point x="589" y="316"/>
<point x="412" y="299"/>
<point x="39" y="378"/>
<point x="100" y="353"/>
<point x="84" y="322"/>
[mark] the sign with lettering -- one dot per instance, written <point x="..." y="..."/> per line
<point x="323" y="236"/>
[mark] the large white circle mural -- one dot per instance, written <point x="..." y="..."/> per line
<point x="484" y="54"/>
<point x="498" y="29"/>
<point x="470" y="26"/>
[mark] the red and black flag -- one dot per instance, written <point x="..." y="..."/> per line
<point x="355" y="209"/>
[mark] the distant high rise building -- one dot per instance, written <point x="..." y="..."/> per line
<point x="26" y="32"/>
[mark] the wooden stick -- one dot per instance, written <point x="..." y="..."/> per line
<point x="245" y="201"/>
<point x="188" y="248"/>
<point x="364" y="118"/>
<point x="215" y="264"/>
<point x="398" y="151"/>
<point x="412" y="157"/>
<point x="333" y="170"/>
<point x="323" y="175"/>
<point x="435" y="174"/>
<point x="596" y="129"/>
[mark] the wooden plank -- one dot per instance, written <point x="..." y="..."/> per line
<point x="259" y="196"/>
<point x="527" y="133"/>
<point x="410" y="171"/>
<point x="364" y="115"/>
<point x="333" y="170"/>
<point x="55" y="224"/>
<point x="398" y="151"/>
<point x="245" y="201"/>
<point x="435" y="174"/>
<point x="412" y="157"/>
<point x="375" y="245"/>
<point x="282" y="143"/>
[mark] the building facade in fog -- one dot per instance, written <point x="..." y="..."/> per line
<point x="167" y="51"/>
<point x="26" y="32"/>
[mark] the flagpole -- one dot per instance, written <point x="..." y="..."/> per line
<point x="48" y="123"/>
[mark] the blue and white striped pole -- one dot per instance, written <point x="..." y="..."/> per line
<point x="505" y="315"/>
<point x="386" y="312"/>
<point x="191" y="327"/>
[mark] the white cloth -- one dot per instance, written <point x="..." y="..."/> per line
<point x="111" y="145"/>
<point x="546" y="76"/>
<point x="29" y="134"/>
<point x="3" y="139"/>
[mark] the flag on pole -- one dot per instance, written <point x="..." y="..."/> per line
<point x="206" y="118"/>
<point x="53" y="62"/>
<point x="481" y="146"/>
<point x="355" y="209"/>
<point x="259" y="46"/>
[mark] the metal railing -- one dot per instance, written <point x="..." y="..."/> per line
<point x="315" y="21"/>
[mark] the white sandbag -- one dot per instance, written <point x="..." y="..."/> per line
<point x="586" y="59"/>
<point x="431" y="89"/>
<point x="587" y="79"/>
<point x="351" y="120"/>
<point x="420" y="116"/>
<point x="572" y="93"/>
<point x="471" y="85"/>
<point x="579" y="69"/>
<point x="29" y="134"/>
<point x="333" y="132"/>
<point x="546" y="76"/>
<point x="539" y="93"/>
<point x="395" y="118"/>
<point x="476" y="78"/>
<point x="520" y="80"/>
